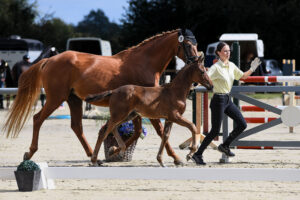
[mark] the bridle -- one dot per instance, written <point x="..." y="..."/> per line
<point x="181" y="38"/>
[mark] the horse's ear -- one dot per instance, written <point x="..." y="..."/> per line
<point x="180" y="32"/>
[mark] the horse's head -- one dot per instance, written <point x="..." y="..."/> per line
<point x="3" y="66"/>
<point x="187" y="49"/>
<point x="200" y="75"/>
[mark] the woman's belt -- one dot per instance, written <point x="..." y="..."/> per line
<point x="222" y="93"/>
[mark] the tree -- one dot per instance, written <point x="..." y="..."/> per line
<point x="96" y="24"/>
<point x="276" y="22"/>
<point x="145" y="18"/>
<point x="53" y="31"/>
<point x="16" y="17"/>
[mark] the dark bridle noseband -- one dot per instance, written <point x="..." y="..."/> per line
<point x="187" y="35"/>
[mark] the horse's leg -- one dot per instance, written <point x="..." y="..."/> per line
<point x="103" y="133"/>
<point x="159" y="129"/>
<point x="75" y="105"/>
<point x="184" y="122"/>
<point x="167" y="130"/>
<point x="38" y="120"/>
<point x="119" y="140"/>
<point x="137" y="122"/>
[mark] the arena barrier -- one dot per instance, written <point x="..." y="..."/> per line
<point x="49" y="174"/>
<point x="288" y="115"/>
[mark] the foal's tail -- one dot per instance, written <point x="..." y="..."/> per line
<point x="97" y="97"/>
<point x="29" y="88"/>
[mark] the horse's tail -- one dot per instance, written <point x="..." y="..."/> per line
<point x="29" y="88"/>
<point x="97" y="97"/>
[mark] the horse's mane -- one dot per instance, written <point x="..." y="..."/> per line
<point x="149" y="39"/>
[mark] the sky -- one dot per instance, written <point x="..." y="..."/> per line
<point x="73" y="11"/>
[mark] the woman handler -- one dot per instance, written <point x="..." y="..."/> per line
<point x="222" y="74"/>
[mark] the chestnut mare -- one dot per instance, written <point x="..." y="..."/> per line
<point x="167" y="101"/>
<point x="71" y="76"/>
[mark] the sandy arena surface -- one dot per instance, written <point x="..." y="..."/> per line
<point x="58" y="146"/>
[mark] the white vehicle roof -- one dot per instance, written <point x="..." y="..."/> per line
<point x="104" y="44"/>
<point x="239" y="37"/>
<point x="245" y="38"/>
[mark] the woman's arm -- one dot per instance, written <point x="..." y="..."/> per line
<point x="254" y="64"/>
<point x="246" y="74"/>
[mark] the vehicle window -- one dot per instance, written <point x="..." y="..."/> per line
<point x="211" y="50"/>
<point x="86" y="46"/>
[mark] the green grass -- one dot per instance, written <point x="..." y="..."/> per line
<point x="265" y="95"/>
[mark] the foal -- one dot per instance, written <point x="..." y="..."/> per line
<point x="167" y="101"/>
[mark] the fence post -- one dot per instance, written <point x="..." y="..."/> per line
<point x="236" y="59"/>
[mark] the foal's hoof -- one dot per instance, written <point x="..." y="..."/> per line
<point x="96" y="164"/>
<point x="178" y="163"/>
<point x="162" y="164"/>
<point x="111" y="150"/>
<point x="182" y="146"/>
<point x="188" y="157"/>
<point x="26" y="156"/>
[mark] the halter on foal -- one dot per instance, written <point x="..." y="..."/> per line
<point x="167" y="101"/>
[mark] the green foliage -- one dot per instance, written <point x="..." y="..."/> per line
<point x="16" y="17"/>
<point x="276" y="22"/>
<point x="28" y="165"/>
<point x="97" y="24"/>
<point x="53" y="31"/>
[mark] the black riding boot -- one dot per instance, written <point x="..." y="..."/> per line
<point x="234" y="134"/>
<point x="224" y="148"/>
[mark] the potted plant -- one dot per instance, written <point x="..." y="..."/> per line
<point x="28" y="176"/>
<point x="125" y="130"/>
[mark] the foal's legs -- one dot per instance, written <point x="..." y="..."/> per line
<point x="159" y="129"/>
<point x="137" y="122"/>
<point x="167" y="130"/>
<point x="177" y="118"/>
<point x="38" y="120"/>
<point x="75" y="105"/>
<point x="111" y="126"/>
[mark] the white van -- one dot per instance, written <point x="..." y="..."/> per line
<point x="91" y="45"/>
<point x="249" y="44"/>
<point x="14" y="48"/>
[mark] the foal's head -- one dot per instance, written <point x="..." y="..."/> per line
<point x="187" y="49"/>
<point x="199" y="74"/>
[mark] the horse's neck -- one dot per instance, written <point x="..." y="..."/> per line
<point x="181" y="84"/>
<point x="158" y="52"/>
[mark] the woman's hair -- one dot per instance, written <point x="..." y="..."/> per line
<point x="220" y="47"/>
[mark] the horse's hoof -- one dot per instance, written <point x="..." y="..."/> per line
<point x="122" y="153"/>
<point x="182" y="146"/>
<point x="26" y="156"/>
<point x="188" y="157"/>
<point x="111" y="150"/>
<point x="99" y="162"/>
<point x="163" y="165"/>
<point x="178" y="163"/>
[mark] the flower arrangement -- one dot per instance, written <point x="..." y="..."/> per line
<point x="28" y="165"/>
<point x="127" y="129"/>
<point x="28" y="175"/>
